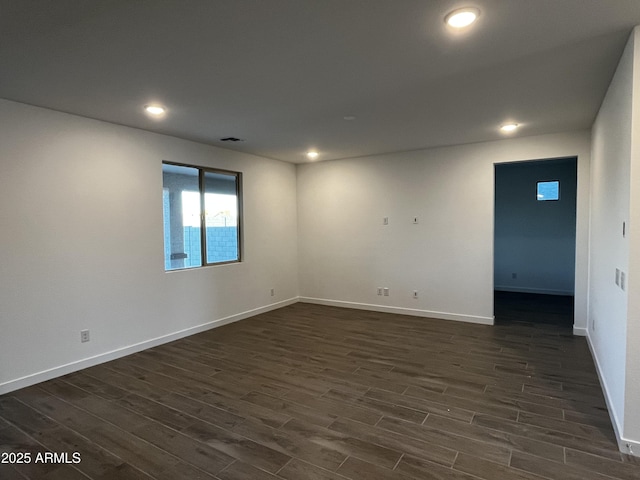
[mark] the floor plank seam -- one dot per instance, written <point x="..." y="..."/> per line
<point x="398" y="462"/>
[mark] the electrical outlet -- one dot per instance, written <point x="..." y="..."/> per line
<point x="385" y="221"/>
<point x="84" y="336"/>
<point x="617" y="276"/>
<point x="385" y="291"/>
<point x="623" y="280"/>
<point x="273" y="292"/>
<point x="379" y="290"/>
<point x="514" y="276"/>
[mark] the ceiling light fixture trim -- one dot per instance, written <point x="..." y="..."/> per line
<point x="462" y="17"/>
<point x="155" y="110"/>
<point x="509" y="127"/>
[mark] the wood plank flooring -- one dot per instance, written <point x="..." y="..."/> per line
<point x="533" y="308"/>
<point x="323" y="393"/>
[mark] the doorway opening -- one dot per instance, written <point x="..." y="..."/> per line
<point x="535" y="241"/>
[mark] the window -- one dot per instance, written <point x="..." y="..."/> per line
<point x="193" y="238"/>
<point x="548" y="191"/>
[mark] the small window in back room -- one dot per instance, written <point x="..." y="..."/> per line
<point x="548" y="191"/>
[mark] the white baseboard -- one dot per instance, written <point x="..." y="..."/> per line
<point x="630" y="447"/>
<point x="579" y="331"/>
<point x="542" y="291"/>
<point x="38" y="377"/>
<point x="400" y="310"/>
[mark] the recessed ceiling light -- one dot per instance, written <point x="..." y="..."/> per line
<point x="155" y="110"/>
<point x="509" y="127"/>
<point x="462" y="17"/>
<point x="349" y="118"/>
<point x="312" y="154"/>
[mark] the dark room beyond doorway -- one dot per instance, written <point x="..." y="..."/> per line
<point x="535" y="241"/>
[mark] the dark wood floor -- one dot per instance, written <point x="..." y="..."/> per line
<point x="322" y="393"/>
<point x="514" y="307"/>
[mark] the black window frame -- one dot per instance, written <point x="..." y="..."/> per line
<point x="203" y="233"/>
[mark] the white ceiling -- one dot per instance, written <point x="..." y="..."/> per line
<point x="283" y="74"/>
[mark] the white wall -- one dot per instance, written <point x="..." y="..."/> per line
<point x="632" y="392"/>
<point x="346" y="252"/>
<point x="609" y="250"/>
<point x="81" y="243"/>
<point x="535" y="240"/>
<point x="614" y="334"/>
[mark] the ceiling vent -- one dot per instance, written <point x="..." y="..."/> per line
<point x="231" y="139"/>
